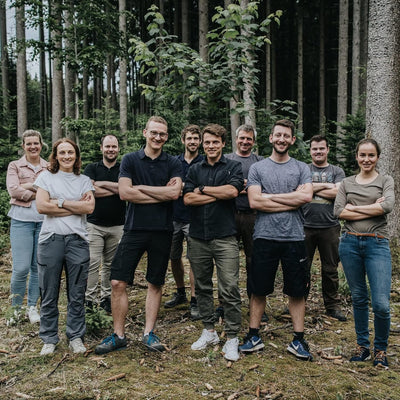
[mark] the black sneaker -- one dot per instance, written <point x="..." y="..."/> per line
<point x="105" y="304"/>
<point x="337" y="314"/>
<point x="111" y="343"/>
<point x="361" y="354"/>
<point x="177" y="298"/>
<point x="380" y="359"/>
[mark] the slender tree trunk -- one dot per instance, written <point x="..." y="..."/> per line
<point x="268" y="88"/>
<point x="383" y="94"/>
<point x="44" y="105"/>
<point x="300" y="94"/>
<point x="355" y="65"/>
<point x="4" y="58"/>
<point x="322" y="64"/>
<point x="85" y="94"/>
<point x="363" y="51"/>
<point x="123" y="96"/>
<point x="185" y="21"/>
<point x="22" y="111"/>
<point x="203" y="42"/>
<point x="342" y="92"/>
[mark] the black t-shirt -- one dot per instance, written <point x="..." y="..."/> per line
<point x="110" y="210"/>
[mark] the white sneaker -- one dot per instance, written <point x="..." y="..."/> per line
<point x="231" y="349"/>
<point x="77" y="346"/>
<point x="48" y="348"/>
<point x="33" y="315"/>
<point x="205" y="339"/>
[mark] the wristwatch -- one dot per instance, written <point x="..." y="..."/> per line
<point x="60" y="203"/>
<point x="201" y="188"/>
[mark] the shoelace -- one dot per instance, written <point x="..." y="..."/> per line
<point x="380" y="355"/>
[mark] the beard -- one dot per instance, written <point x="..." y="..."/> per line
<point x="282" y="152"/>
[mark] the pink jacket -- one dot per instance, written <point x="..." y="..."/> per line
<point x="19" y="172"/>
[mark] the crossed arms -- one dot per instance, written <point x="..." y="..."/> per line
<point x="210" y="194"/>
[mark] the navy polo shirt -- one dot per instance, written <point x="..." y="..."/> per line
<point x="182" y="212"/>
<point x="142" y="170"/>
<point x="215" y="220"/>
<point x="109" y="210"/>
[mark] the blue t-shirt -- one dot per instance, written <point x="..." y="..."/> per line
<point x="275" y="177"/>
<point x="142" y="170"/>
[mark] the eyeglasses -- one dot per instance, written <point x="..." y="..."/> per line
<point x="162" y="135"/>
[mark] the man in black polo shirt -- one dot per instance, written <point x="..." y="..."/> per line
<point x="105" y="224"/>
<point x="149" y="180"/>
<point x="211" y="188"/>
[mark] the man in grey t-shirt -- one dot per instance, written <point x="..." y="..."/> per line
<point x="278" y="186"/>
<point x="321" y="228"/>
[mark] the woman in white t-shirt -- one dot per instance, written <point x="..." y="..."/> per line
<point x="25" y="223"/>
<point x="65" y="197"/>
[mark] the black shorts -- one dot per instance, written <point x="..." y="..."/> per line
<point x="265" y="261"/>
<point x="130" y="250"/>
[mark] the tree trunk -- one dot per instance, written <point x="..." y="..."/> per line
<point x="203" y="29"/>
<point x="4" y="58"/>
<point x="123" y="96"/>
<point x="342" y="71"/>
<point x="44" y="105"/>
<point x="85" y="94"/>
<point x="300" y="94"/>
<point x="355" y="65"/>
<point x="185" y="21"/>
<point x="22" y="111"/>
<point x="268" y="89"/>
<point x="383" y="94"/>
<point x="322" y="64"/>
<point x="363" y="51"/>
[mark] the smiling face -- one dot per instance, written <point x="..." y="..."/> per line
<point x="156" y="135"/>
<point x="32" y="147"/>
<point x="213" y="146"/>
<point x="66" y="156"/>
<point x="244" y="143"/>
<point x="110" y="149"/>
<point x="319" y="153"/>
<point x="367" y="157"/>
<point x="191" y="142"/>
<point x="281" y="139"/>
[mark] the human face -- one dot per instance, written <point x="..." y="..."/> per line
<point x="66" y="157"/>
<point x="319" y="153"/>
<point x="191" y="142"/>
<point x="281" y="139"/>
<point x="213" y="146"/>
<point x="156" y="135"/>
<point x="32" y="147"/>
<point x="110" y="149"/>
<point x="367" y="157"/>
<point x="244" y="143"/>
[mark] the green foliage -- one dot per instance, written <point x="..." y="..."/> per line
<point x="14" y="316"/>
<point x="97" y="320"/>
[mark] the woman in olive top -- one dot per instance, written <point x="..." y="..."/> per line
<point x="363" y="202"/>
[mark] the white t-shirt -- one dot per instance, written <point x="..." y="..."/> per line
<point x="68" y="186"/>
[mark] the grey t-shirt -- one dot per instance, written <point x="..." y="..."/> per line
<point x="275" y="177"/>
<point x="242" y="201"/>
<point x="319" y="213"/>
<point x="364" y="194"/>
<point x="68" y="186"/>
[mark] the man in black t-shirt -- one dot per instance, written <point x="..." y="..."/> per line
<point x="105" y="224"/>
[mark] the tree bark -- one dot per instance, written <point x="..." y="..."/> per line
<point x="321" y="118"/>
<point x="185" y="21"/>
<point x="355" y="65"/>
<point x="383" y="94"/>
<point x="123" y="96"/>
<point x="44" y="105"/>
<point x="22" y="111"/>
<point x="268" y="89"/>
<point x="4" y="58"/>
<point x="300" y="93"/>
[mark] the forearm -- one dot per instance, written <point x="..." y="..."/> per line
<point x="102" y="192"/>
<point x="325" y="190"/>
<point x="370" y="210"/>
<point x="162" y="193"/>
<point x="262" y="203"/>
<point x="79" y="207"/>
<point x="51" y="208"/>
<point x="224" y="192"/>
<point x="107" y="185"/>
<point x="197" y="199"/>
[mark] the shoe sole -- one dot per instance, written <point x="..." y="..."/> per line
<point x="175" y="305"/>
<point x="253" y="349"/>
<point x="109" y="351"/>
<point x="205" y="346"/>
<point x="299" y="356"/>
<point x="160" y="349"/>
<point x="365" y="359"/>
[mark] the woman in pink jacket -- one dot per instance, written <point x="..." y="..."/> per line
<point x="25" y="222"/>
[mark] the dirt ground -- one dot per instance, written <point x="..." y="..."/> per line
<point x="180" y="373"/>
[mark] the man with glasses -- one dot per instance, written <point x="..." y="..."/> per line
<point x="149" y="180"/>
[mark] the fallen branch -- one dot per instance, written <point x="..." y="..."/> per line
<point x="116" y="377"/>
<point x="66" y="356"/>
<point x="4" y="351"/>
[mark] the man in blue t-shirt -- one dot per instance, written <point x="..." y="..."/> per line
<point x="149" y="180"/>
<point x="277" y="187"/>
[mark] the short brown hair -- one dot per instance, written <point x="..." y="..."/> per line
<point x="192" y="129"/>
<point x="216" y="130"/>
<point x="156" y="118"/>
<point x="319" y="138"/>
<point x="55" y="166"/>
<point x="284" y="122"/>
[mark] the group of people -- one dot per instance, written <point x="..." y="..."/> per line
<point x="281" y="208"/>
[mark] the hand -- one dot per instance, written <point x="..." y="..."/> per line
<point x="86" y="197"/>
<point x="300" y="187"/>
<point x="380" y="200"/>
<point x="171" y="182"/>
<point x="349" y="207"/>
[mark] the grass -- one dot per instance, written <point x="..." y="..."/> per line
<point x="181" y="373"/>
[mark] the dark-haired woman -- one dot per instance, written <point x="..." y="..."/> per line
<point x="65" y="197"/>
<point x="363" y="202"/>
<point x="25" y="223"/>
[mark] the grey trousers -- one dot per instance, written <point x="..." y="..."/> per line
<point x="55" y="253"/>
<point x="225" y="253"/>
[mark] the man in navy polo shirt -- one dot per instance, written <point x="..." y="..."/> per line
<point x="105" y="224"/>
<point x="149" y="180"/>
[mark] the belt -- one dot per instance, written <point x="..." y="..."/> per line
<point x="366" y="234"/>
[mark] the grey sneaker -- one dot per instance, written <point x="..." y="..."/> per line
<point x="231" y="348"/>
<point x="152" y="342"/>
<point x="77" y="346"/>
<point x="48" y="348"/>
<point x="205" y="339"/>
<point x="33" y="315"/>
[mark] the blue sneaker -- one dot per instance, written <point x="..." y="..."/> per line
<point x="380" y="359"/>
<point x="362" y="354"/>
<point x="300" y="349"/>
<point x="251" y="344"/>
<point x="111" y="343"/>
<point x="152" y="342"/>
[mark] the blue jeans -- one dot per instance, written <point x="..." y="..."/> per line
<point x="363" y="256"/>
<point x="24" y="238"/>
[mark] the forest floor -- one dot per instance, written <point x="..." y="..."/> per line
<point x="180" y="373"/>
